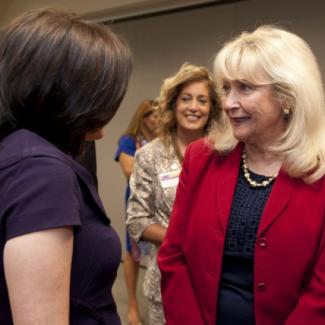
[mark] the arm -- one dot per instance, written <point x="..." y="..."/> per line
<point x="125" y="154"/>
<point x="126" y="163"/>
<point x="41" y="206"/>
<point x="141" y="206"/>
<point x="37" y="269"/>
<point x="179" y="300"/>
<point x="154" y="233"/>
<point x="311" y="304"/>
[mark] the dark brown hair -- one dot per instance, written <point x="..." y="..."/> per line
<point x="60" y="76"/>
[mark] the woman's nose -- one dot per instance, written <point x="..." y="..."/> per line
<point x="231" y="100"/>
<point x="194" y="104"/>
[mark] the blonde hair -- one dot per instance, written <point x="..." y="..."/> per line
<point x="170" y="90"/>
<point x="273" y="56"/>
<point x="136" y="126"/>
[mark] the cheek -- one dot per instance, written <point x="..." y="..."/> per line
<point x="179" y="107"/>
<point x="95" y="135"/>
<point x="148" y="123"/>
<point x="177" y="111"/>
<point x="207" y="111"/>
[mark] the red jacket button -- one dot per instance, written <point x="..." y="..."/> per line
<point x="261" y="286"/>
<point x="262" y="243"/>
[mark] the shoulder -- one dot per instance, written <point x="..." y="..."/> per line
<point x="126" y="139"/>
<point x="126" y="144"/>
<point x="318" y="186"/>
<point x="41" y="193"/>
<point x="153" y="148"/>
<point x="23" y="146"/>
<point x="46" y="174"/>
<point x="202" y="157"/>
<point x="27" y="157"/>
<point x="201" y="150"/>
<point x="150" y="156"/>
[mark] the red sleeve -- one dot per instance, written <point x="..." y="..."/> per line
<point x="179" y="299"/>
<point x="311" y="304"/>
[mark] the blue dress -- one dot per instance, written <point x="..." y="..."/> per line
<point x="43" y="188"/>
<point x="128" y="146"/>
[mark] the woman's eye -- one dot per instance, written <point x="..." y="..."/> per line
<point x="225" y="88"/>
<point x="185" y="99"/>
<point x="203" y="101"/>
<point x="245" y="87"/>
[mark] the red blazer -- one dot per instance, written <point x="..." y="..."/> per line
<point x="289" y="258"/>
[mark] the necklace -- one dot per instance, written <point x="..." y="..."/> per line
<point x="248" y="178"/>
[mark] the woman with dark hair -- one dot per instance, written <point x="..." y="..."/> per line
<point x="141" y="129"/>
<point x="61" y="81"/>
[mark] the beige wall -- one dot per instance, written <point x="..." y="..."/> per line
<point x="98" y="10"/>
<point x="12" y="8"/>
<point x="161" y="44"/>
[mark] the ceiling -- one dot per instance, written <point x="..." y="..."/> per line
<point x="101" y="10"/>
<point x="132" y="9"/>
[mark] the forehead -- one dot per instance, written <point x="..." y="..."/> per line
<point x="241" y="66"/>
<point x="255" y="77"/>
<point x="196" y="87"/>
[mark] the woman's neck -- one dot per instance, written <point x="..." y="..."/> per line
<point x="184" y="138"/>
<point x="148" y="136"/>
<point x="261" y="161"/>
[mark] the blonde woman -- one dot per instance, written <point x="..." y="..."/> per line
<point x="188" y="105"/>
<point x="246" y="244"/>
<point x="141" y="130"/>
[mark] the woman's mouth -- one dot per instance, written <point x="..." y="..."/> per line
<point x="192" y="117"/>
<point x="239" y="120"/>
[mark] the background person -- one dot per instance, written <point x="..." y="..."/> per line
<point x="61" y="81"/>
<point x="187" y="106"/>
<point x="246" y="242"/>
<point x="139" y="132"/>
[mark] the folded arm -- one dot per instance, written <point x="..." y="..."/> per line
<point x="179" y="299"/>
<point x="141" y="221"/>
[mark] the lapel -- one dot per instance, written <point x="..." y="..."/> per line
<point x="278" y="200"/>
<point x="227" y="175"/>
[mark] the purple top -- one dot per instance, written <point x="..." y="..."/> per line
<point x="43" y="188"/>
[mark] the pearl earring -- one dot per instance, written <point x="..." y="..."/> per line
<point x="286" y="111"/>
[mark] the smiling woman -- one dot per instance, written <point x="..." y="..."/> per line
<point x="253" y="112"/>
<point x="246" y="241"/>
<point x="193" y="108"/>
<point x="188" y="106"/>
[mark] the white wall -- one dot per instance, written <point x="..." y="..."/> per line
<point x="161" y="44"/>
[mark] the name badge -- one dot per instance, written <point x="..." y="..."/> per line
<point x="169" y="179"/>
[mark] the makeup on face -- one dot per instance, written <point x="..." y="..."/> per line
<point x="193" y="106"/>
<point x="254" y="114"/>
